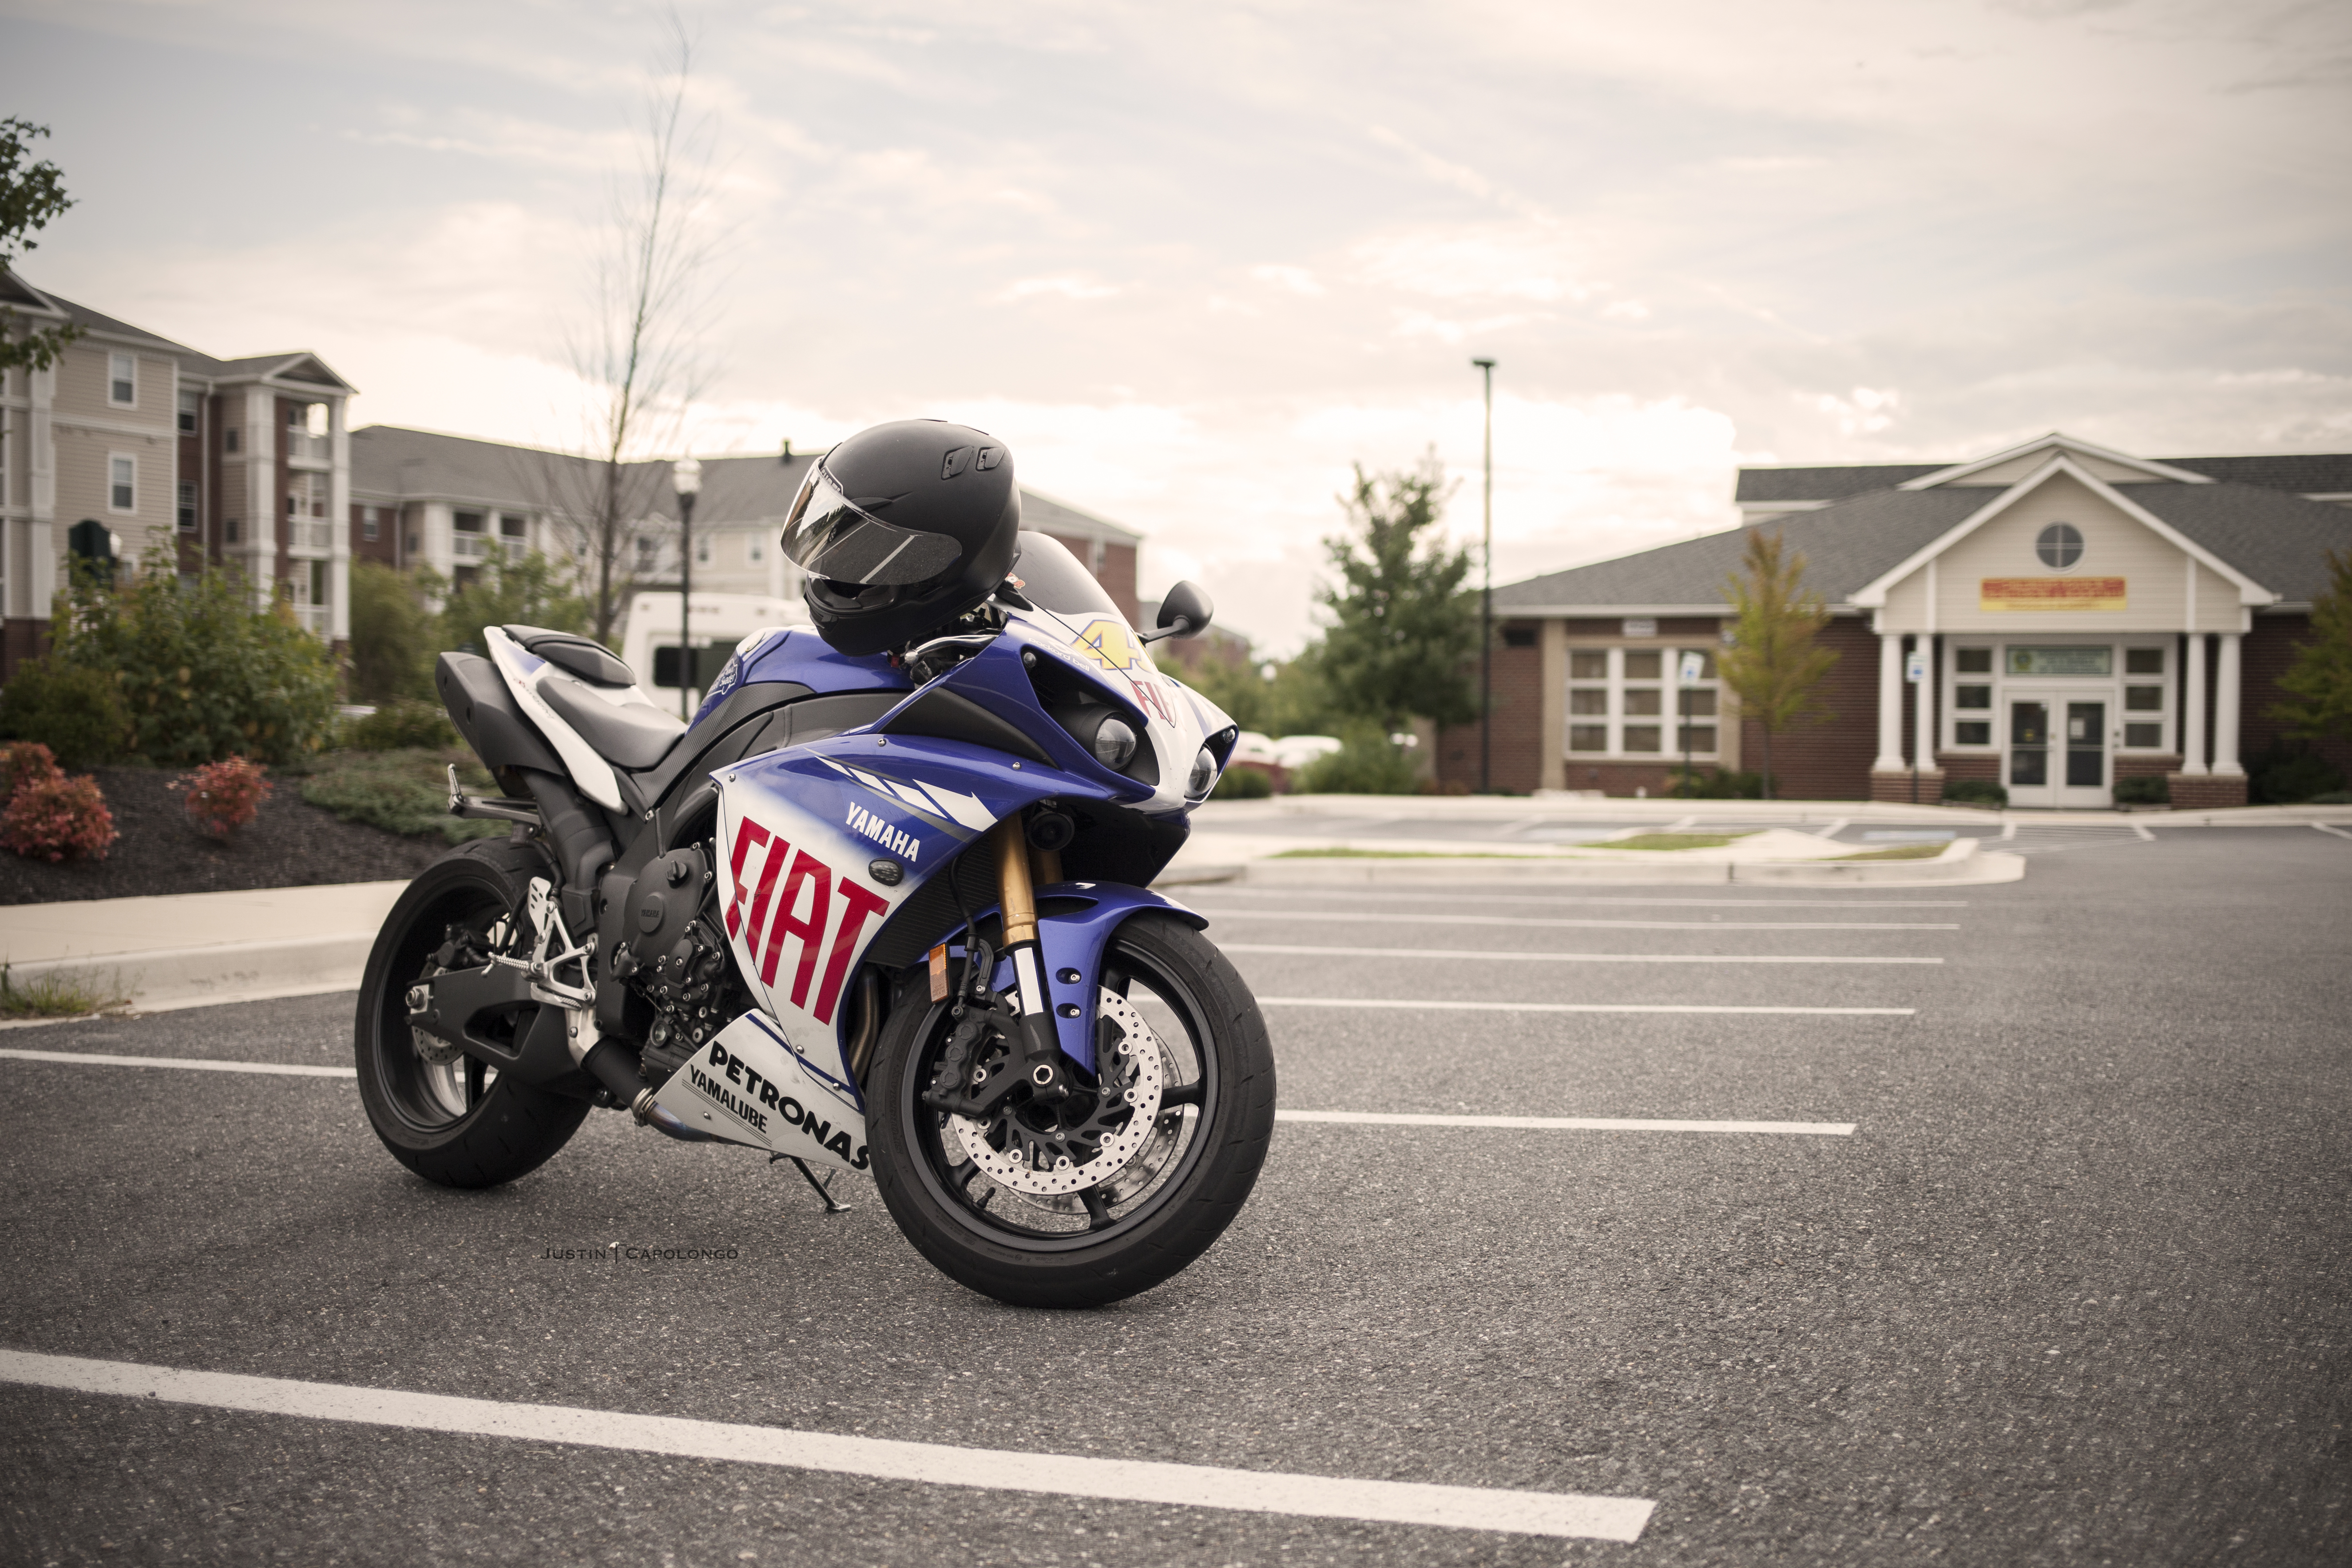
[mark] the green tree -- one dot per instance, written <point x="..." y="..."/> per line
<point x="1403" y="632"/>
<point x="2320" y="681"/>
<point x="1273" y="697"/>
<point x="202" y="673"/>
<point x="30" y="195"/>
<point x="1773" y="667"/>
<point x="395" y="632"/>
<point x="527" y="589"/>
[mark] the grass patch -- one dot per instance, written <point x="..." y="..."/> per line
<point x="405" y="792"/>
<point x="55" y="995"/>
<point x="1900" y="852"/>
<point x="1392" y="854"/>
<point x="1666" y="841"/>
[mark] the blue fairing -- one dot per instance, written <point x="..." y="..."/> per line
<point x="802" y="657"/>
<point x="1075" y="939"/>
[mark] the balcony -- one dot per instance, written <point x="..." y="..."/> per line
<point x="305" y="450"/>
<point x="304" y="537"/>
<point x="312" y="618"/>
<point x="472" y="547"/>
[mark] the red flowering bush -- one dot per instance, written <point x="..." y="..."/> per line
<point x="224" y="795"/>
<point x="21" y="762"/>
<point x="56" y="817"/>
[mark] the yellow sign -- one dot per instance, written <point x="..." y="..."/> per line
<point x="1110" y="643"/>
<point x="2050" y="593"/>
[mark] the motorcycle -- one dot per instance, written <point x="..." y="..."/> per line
<point x="888" y="914"/>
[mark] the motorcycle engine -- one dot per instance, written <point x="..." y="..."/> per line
<point x="675" y="956"/>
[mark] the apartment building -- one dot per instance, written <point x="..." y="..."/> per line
<point x="422" y="497"/>
<point x="132" y="441"/>
<point x="2054" y="617"/>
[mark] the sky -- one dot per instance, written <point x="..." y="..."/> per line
<point x="1191" y="263"/>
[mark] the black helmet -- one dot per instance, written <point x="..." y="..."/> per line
<point x="901" y="529"/>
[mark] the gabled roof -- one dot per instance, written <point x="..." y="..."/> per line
<point x="2062" y="465"/>
<point x="2055" y="443"/>
<point x="2302" y="474"/>
<point x="2280" y="540"/>
<point x="1826" y="484"/>
<point x="300" y="366"/>
<point x="96" y="322"/>
<point x="1845" y="546"/>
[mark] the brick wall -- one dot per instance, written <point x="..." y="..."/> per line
<point x="1829" y="761"/>
<point x="2269" y="652"/>
<point x="385" y="546"/>
<point x="1518" y="718"/>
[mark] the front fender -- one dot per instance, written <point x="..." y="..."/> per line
<point x="1075" y="922"/>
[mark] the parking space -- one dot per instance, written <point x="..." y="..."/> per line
<point x="2063" y="1289"/>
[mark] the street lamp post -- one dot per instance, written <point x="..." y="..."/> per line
<point x="1486" y="605"/>
<point x="687" y="480"/>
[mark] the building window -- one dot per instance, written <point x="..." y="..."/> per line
<point x="371" y="524"/>
<point x="187" y="508"/>
<point x="229" y="439"/>
<point x="2145" y="700"/>
<point x="121" y="484"/>
<point x="644" y="554"/>
<point x="123" y="381"/>
<point x="2060" y="545"/>
<point x="466" y="521"/>
<point x="232" y="529"/>
<point x="187" y="413"/>
<point x="1519" y="637"/>
<point x="1618" y="702"/>
<point x="703" y="551"/>
<point x="510" y="526"/>
<point x="755" y="547"/>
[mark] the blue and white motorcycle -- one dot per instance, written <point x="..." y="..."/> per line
<point x="863" y="914"/>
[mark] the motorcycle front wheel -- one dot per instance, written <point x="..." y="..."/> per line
<point x="1113" y="1191"/>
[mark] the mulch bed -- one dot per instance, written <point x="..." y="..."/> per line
<point x="291" y="844"/>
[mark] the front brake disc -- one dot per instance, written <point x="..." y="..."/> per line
<point x="1039" y="1160"/>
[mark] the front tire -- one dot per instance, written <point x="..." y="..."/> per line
<point x="1177" y="1189"/>
<point x="452" y="1121"/>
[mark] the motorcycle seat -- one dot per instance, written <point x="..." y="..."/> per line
<point x="591" y="661"/>
<point x="633" y="735"/>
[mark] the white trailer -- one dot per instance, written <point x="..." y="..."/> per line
<point x="720" y="621"/>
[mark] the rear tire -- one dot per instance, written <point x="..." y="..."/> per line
<point x="1170" y="1202"/>
<point x="459" y="1123"/>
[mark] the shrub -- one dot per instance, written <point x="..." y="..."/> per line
<point x="21" y="764"/>
<point x="203" y="674"/>
<point x="2333" y="797"/>
<point x="2287" y="773"/>
<point x="2144" y="789"/>
<point x="57" y="818"/>
<point x="1243" y="783"/>
<point x="224" y="795"/>
<point x="1368" y="763"/>
<point x="403" y="725"/>
<point x="399" y="792"/>
<point x="1718" y="784"/>
<point x="1974" y="792"/>
<point x="77" y="713"/>
<point x="393" y="633"/>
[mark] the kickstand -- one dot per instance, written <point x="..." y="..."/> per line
<point x="824" y="1188"/>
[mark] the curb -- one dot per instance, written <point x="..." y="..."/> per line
<point x="1963" y="863"/>
<point x="164" y="978"/>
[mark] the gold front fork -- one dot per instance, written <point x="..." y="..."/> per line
<point x="1016" y="891"/>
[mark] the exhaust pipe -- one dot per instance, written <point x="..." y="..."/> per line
<point x="616" y="1068"/>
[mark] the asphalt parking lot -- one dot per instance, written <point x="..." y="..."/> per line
<point x="2072" y="1288"/>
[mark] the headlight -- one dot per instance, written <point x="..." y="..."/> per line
<point x="1114" y="743"/>
<point x="1204" y="773"/>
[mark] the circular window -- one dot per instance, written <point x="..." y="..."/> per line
<point x="2060" y="545"/>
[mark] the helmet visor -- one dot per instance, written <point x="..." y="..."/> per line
<point x="829" y="535"/>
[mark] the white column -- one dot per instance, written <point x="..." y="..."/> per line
<point x="1923" y="716"/>
<point x="1890" y="704"/>
<point x="338" y="513"/>
<point x="2225" y="709"/>
<point x="2192" y="705"/>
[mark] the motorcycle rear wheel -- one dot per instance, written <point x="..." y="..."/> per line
<point x="460" y="1122"/>
<point x="1138" y="1228"/>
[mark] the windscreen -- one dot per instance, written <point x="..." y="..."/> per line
<point x="1052" y="579"/>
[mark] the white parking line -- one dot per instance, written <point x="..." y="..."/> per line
<point x="1418" y="918"/>
<point x="1488" y="954"/>
<point x="1572" y="1007"/>
<point x="199" y="1064"/>
<point x="995" y="1469"/>
<point x="1566" y="1123"/>
<point x="2338" y="831"/>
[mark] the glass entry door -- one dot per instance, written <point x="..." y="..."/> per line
<point x="2057" y="751"/>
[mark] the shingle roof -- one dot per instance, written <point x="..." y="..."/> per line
<point x="83" y="316"/>
<point x="2310" y="474"/>
<point x="2279" y="539"/>
<point x="1838" y="483"/>
<point x="1845" y="547"/>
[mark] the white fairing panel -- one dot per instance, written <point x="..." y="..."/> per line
<point x="747" y="1088"/>
<point x="523" y="671"/>
<point x="1178" y="720"/>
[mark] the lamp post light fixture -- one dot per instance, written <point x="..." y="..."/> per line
<point x="685" y="479"/>
<point x="1486" y="603"/>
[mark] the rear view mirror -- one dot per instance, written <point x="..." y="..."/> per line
<point x="1186" y="612"/>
